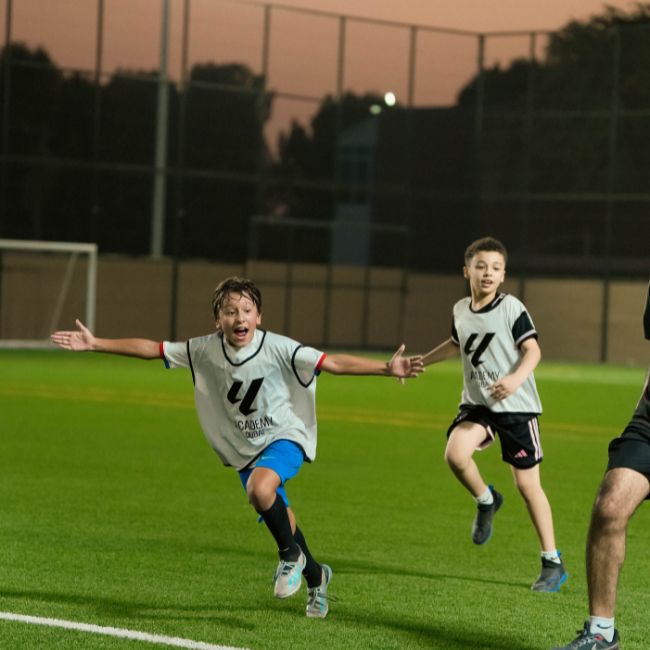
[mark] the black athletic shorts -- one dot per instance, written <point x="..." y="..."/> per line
<point x="632" y="448"/>
<point x="518" y="433"/>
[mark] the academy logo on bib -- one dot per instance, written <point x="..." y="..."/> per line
<point x="480" y="348"/>
<point x="245" y="408"/>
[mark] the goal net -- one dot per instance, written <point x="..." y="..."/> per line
<point x="44" y="285"/>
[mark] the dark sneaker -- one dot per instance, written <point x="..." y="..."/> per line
<point x="551" y="578"/>
<point x="588" y="641"/>
<point x="482" y="524"/>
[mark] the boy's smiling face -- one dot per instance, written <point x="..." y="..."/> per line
<point x="238" y="319"/>
<point x="486" y="272"/>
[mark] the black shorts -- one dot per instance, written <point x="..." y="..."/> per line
<point x="632" y="448"/>
<point x="518" y="433"/>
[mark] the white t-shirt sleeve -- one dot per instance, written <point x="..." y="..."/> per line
<point x="175" y="354"/>
<point x="306" y="363"/>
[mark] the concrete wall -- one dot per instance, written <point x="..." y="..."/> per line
<point x="568" y="316"/>
<point x="625" y="344"/>
<point x="344" y="306"/>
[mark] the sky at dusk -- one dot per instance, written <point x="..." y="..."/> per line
<point x="302" y="64"/>
<point x="472" y="15"/>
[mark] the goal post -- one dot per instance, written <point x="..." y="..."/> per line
<point x="40" y="281"/>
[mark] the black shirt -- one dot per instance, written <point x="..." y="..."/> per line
<point x="646" y="317"/>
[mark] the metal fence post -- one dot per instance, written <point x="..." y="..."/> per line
<point x="160" y="156"/>
<point x="5" y="114"/>
<point x="179" y="216"/>
<point x="611" y="182"/>
<point x="97" y="122"/>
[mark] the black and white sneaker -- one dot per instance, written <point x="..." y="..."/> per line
<point x="482" y="524"/>
<point x="551" y="578"/>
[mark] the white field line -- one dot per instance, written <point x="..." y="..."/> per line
<point x="115" y="631"/>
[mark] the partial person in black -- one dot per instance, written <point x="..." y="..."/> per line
<point x="624" y="488"/>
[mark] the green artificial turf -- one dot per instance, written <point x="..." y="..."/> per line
<point x="115" y="511"/>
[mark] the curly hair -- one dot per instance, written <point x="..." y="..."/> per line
<point x="489" y="244"/>
<point x="241" y="286"/>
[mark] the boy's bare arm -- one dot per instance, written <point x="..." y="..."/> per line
<point x="83" y="340"/>
<point x="398" y="366"/>
<point x="530" y="357"/>
<point x="446" y="350"/>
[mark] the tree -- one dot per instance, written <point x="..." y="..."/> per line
<point x="581" y="61"/>
<point x="80" y="156"/>
<point x="32" y="83"/>
<point x="225" y="157"/>
<point x="574" y="122"/>
<point x="307" y="158"/>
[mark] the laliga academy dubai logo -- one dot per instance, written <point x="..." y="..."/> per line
<point x="249" y="396"/>
<point x="480" y="348"/>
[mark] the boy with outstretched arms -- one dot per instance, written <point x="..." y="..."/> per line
<point x="255" y="399"/>
<point x="497" y="341"/>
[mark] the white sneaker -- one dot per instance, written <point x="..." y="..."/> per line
<point x="288" y="577"/>
<point x="317" y="600"/>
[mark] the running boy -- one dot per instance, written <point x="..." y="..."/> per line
<point x="497" y="341"/>
<point x="255" y="398"/>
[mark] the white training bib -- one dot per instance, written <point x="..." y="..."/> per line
<point x="489" y="341"/>
<point x="246" y="398"/>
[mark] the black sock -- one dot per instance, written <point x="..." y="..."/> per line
<point x="313" y="571"/>
<point x="276" y="519"/>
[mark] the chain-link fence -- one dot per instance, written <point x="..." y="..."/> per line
<point x="169" y="127"/>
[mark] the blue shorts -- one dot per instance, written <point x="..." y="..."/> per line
<point x="284" y="457"/>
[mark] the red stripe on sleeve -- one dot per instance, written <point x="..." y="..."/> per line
<point x="320" y="362"/>
<point x="161" y="350"/>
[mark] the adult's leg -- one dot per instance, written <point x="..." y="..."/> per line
<point x="461" y="445"/>
<point x="620" y="494"/>
<point x="529" y="484"/>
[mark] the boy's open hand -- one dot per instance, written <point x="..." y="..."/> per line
<point x="503" y="388"/>
<point x="405" y="367"/>
<point x="80" y="340"/>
